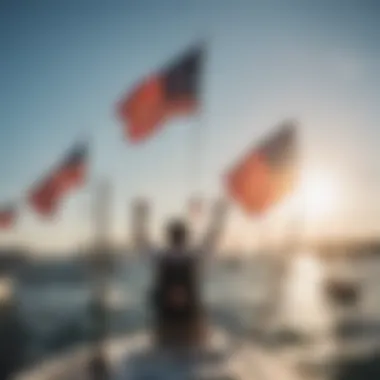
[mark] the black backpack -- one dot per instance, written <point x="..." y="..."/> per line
<point x="175" y="273"/>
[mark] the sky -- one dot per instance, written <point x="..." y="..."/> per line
<point x="65" y="64"/>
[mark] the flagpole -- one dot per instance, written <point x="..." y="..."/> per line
<point x="195" y="141"/>
<point x="84" y="236"/>
<point x="293" y="241"/>
<point x="100" y="265"/>
<point x="195" y="155"/>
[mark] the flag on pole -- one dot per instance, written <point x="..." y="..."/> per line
<point x="8" y="214"/>
<point x="44" y="197"/>
<point x="267" y="173"/>
<point x="171" y="92"/>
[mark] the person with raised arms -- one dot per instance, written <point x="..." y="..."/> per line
<point x="179" y="313"/>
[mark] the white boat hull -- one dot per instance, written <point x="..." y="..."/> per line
<point x="135" y="358"/>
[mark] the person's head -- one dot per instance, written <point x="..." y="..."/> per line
<point x="177" y="234"/>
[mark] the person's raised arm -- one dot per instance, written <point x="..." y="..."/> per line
<point x="216" y="226"/>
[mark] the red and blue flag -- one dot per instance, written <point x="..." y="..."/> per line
<point x="45" y="196"/>
<point x="267" y="173"/>
<point x="171" y="92"/>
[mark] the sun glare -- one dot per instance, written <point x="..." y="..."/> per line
<point x="318" y="193"/>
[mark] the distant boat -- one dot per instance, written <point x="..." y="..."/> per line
<point x="343" y="292"/>
<point x="342" y="287"/>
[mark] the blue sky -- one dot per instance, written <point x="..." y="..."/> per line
<point x="65" y="64"/>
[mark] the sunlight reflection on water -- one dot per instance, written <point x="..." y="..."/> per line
<point x="304" y="305"/>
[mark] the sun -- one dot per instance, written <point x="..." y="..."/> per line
<point x="318" y="194"/>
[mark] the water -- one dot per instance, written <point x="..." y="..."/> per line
<point x="56" y="311"/>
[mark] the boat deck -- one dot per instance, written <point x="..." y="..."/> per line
<point x="134" y="358"/>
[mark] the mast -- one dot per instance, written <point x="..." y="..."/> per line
<point x="100" y="270"/>
<point x="140" y="224"/>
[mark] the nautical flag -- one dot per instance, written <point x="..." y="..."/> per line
<point x="267" y="173"/>
<point x="171" y="92"/>
<point x="8" y="215"/>
<point x="70" y="173"/>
